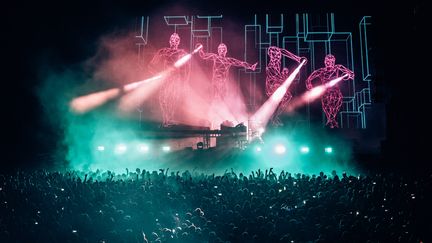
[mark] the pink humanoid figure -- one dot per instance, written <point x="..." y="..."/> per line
<point x="332" y="99"/>
<point x="173" y="85"/>
<point x="221" y="66"/>
<point x="275" y="78"/>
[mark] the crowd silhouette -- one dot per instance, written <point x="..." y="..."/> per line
<point x="174" y="206"/>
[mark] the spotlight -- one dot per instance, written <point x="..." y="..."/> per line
<point x="304" y="149"/>
<point x="280" y="149"/>
<point x="120" y="149"/>
<point x="100" y="148"/>
<point x="166" y="148"/>
<point x="258" y="149"/>
<point x="328" y="150"/>
<point x="143" y="148"/>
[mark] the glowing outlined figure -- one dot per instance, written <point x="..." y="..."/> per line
<point x="173" y="85"/>
<point x="332" y="99"/>
<point x="275" y="78"/>
<point x="221" y="66"/>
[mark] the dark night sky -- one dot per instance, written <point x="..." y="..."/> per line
<point x="65" y="34"/>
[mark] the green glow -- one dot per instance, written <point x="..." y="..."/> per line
<point x="304" y="149"/>
<point x="81" y="138"/>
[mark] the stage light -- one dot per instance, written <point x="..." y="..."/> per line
<point x="120" y="149"/>
<point x="328" y="150"/>
<point x="143" y="148"/>
<point x="100" y="148"/>
<point x="280" y="149"/>
<point x="304" y="149"/>
<point x="166" y="148"/>
<point x="258" y="149"/>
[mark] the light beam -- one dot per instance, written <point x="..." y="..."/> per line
<point x="186" y="58"/>
<point x="313" y="94"/>
<point x="88" y="102"/>
<point x="264" y="113"/>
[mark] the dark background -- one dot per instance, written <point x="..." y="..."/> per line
<point x="65" y="34"/>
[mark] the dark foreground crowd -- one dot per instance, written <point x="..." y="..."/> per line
<point x="165" y="206"/>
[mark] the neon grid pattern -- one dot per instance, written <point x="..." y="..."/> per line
<point x="141" y="37"/>
<point x="305" y="35"/>
<point x="314" y="37"/>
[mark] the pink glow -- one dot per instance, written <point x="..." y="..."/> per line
<point x="165" y="57"/>
<point x="221" y="67"/>
<point x="116" y="61"/>
<point x="186" y="58"/>
<point x="335" y="81"/>
<point x="182" y="60"/>
<point x="135" y="85"/>
<point x="275" y="78"/>
<point x="88" y="102"/>
<point x="281" y="91"/>
<point x="197" y="48"/>
<point x="117" y="65"/>
<point x="200" y="107"/>
<point x="133" y="100"/>
<point x="313" y="94"/>
<point x="141" y="91"/>
<point x="329" y="76"/>
<point x="279" y="94"/>
<point x="169" y="94"/>
<point x="173" y="85"/>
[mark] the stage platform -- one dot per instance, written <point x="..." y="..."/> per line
<point x="226" y="136"/>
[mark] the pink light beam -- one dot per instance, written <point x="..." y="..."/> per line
<point x="171" y="87"/>
<point x="187" y="57"/>
<point x="331" y="100"/>
<point x="275" y="77"/>
<point x="88" y="102"/>
<point x="85" y="103"/>
<point x="132" y="86"/>
<point x="265" y="112"/>
<point x="313" y="94"/>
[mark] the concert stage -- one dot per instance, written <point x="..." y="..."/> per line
<point x="198" y="137"/>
